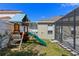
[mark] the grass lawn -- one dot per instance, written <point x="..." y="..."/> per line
<point x="53" y="49"/>
<point x="32" y="48"/>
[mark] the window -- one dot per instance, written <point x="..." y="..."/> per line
<point x="49" y="32"/>
<point x="36" y="32"/>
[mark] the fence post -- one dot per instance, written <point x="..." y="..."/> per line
<point x="74" y="27"/>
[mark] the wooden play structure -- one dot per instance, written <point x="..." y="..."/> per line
<point x="19" y="37"/>
<point x="24" y="25"/>
<point x="17" y="31"/>
<point x="24" y="36"/>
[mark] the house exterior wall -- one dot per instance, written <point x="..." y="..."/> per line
<point x="35" y="31"/>
<point x="43" y="31"/>
<point x="52" y="36"/>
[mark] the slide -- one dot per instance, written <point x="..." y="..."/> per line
<point x="41" y="41"/>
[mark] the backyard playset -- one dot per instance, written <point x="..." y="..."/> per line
<point x="26" y="34"/>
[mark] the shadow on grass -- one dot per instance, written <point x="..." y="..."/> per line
<point x="28" y="52"/>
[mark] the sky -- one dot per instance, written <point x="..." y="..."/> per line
<point x="39" y="11"/>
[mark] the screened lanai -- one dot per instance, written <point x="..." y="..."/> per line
<point x="67" y="30"/>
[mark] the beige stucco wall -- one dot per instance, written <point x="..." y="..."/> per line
<point x="43" y="31"/>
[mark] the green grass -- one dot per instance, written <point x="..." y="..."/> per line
<point x="52" y="49"/>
